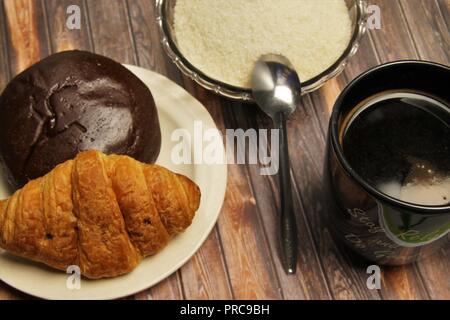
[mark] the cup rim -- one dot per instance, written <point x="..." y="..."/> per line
<point x="338" y="150"/>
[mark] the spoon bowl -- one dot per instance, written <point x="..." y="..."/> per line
<point x="275" y="84"/>
<point x="277" y="90"/>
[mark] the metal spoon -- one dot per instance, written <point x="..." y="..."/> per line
<point x="276" y="88"/>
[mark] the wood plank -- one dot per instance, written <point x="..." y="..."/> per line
<point x="111" y="32"/>
<point x="148" y="41"/>
<point x="444" y="7"/>
<point x="168" y="289"/>
<point x="435" y="271"/>
<point x="204" y="276"/>
<point x="247" y="253"/>
<point x="61" y="37"/>
<point x="402" y="283"/>
<point x="392" y="41"/>
<point x="323" y="99"/>
<point x="28" y="38"/>
<point x="428" y="29"/>
<point x="364" y="59"/>
<point x="309" y="282"/>
<point x="346" y="280"/>
<point x="249" y="263"/>
<point x="5" y="73"/>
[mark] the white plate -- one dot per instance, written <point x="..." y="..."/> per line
<point x="177" y="109"/>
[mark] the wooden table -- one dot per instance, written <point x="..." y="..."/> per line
<point x="239" y="259"/>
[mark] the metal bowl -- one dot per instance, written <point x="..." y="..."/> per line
<point x="165" y="18"/>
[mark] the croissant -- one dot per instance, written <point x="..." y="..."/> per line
<point x="101" y="213"/>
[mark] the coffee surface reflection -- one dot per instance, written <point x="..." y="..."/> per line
<point x="399" y="143"/>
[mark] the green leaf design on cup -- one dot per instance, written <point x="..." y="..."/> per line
<point x="408" y="230"/>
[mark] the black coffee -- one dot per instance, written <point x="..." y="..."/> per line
<point x="399" y="142"/>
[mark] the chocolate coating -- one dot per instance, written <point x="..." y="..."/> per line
<point x="70" y="102"/>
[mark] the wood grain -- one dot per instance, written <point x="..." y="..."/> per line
<point x="169" y="289"/>
<point x="240" y="258"/>
<point x="60" y="36"/>
<point x="402" y="283"/>
<point x="26" y="33"/>
<point x="309" y="282"/>
<point x="307" y="160"/>
<point x="5" y="71"/>
<point x="393" y="41"/>
<point x="247" y="254"/>
<point x="205" y="275"/>
<point x="435" y="272"/>
<point x="429" y="31"/>
<point x="444" y="8"/>
<point x="147" y="41"/>
<point x="110" y="29"/>
<point x="250" y="269"/>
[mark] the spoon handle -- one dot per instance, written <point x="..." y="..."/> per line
<point x="288" y="225"/>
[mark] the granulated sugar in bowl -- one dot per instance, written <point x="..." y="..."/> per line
<point x="224" y="39"/>
<point x="217" y="42"/>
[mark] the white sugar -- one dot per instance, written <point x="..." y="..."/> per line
<point x="423" y="185"/>
<point x="428" y="193"/>
<point x="224" y="38"/>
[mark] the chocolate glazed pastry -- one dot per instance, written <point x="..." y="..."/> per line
<point x="70" y="102"/>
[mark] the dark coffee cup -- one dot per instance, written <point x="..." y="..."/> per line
<point x="378" y="226"/>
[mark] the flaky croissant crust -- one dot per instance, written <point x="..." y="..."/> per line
<point x="101" y="213"/>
